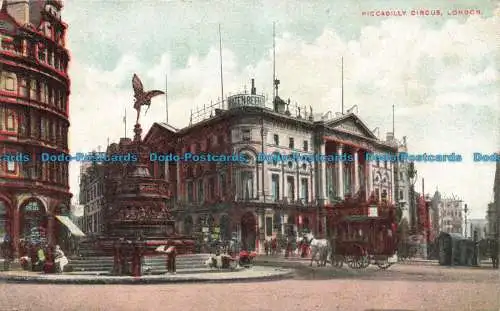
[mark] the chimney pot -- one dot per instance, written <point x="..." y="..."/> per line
<point x="253" y="91"/>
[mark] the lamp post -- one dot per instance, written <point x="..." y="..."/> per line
<point x="466" y="210"/>
<point x="412" y="175"/>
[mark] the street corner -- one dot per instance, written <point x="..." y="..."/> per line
<point x="253" y="274"/>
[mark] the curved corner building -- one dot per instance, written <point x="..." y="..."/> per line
<point x="34" y="90"/>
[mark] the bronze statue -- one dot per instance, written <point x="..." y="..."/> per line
<point x="142" y="98"/>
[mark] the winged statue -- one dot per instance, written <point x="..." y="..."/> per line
<point x="142" y="98"/>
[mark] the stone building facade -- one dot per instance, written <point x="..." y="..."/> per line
<point x="451" y="215"/>
<point x="256" y="200"/>
<point x="92" y="197"/>
<point x="34" y="90"/>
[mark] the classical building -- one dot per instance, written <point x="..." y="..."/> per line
<point x="91" y="196"/>
<point x="258" y="198"/>
<point x="451" y="215"/>
<point x="34" y="90"/>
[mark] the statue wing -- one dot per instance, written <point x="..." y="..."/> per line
<point x="137" y="85"/>
<point x="151" y="94"/>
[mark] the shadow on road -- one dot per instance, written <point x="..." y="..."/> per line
<point x="329" y="273"/>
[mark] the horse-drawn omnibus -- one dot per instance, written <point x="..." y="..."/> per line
<point x="363" y="233"/>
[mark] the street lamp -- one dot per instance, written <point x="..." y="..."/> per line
<point x="466" y="210"/>
<point x="412" y="176"/>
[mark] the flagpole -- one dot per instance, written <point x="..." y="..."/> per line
<point x="125" y="122"/>
<point x="342" y="73"/>
<point x="221" y="74"/>
<point x="166" y="97"/>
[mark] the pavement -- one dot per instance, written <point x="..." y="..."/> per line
<point x="402" y="287"/>
<point x="244" y="275"/>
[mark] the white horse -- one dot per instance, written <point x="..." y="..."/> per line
<point x="320" y="247"/>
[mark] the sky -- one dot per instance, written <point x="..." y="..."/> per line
<point x="440" y="72"/>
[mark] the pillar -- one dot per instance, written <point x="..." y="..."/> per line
<point x="259" y="247"/>
<point x="340" y="170"/>
<point x="323" y="224"/>
<point x="179" y="195"/>
<point x="15" y="229"/>
<point x="370" y="178"/>
<point x="393" y="185"/>
<point x="284" y="221"/>
<point x="50" y="229"/>
<point x="322" y="168"/>
<point x="356" y="171"/>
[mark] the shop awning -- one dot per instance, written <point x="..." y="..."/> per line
<point x="65" y="220"/>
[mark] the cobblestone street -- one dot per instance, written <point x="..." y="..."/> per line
<point x="402" y="287"/>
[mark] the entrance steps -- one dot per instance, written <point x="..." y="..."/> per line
<point x="153" y="264"/>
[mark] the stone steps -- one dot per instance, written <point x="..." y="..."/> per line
<point x="157" y="264"/>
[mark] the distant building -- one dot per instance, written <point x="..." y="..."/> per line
<point x="478" y="225"/>
<point x="491" y="218"/>
<point x="402" y="181"/>
<point x="92" y="197"/>
<point x="451" y="217"/>
<point x="434" y="215"/>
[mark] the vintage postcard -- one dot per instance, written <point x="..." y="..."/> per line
<point x="324" y="155"/>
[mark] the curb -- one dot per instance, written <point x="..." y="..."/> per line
<point x="143" y="280"/>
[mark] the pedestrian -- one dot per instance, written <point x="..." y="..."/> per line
<point x="494" y="253"/>
<point x="171" y="253"/>
<point x="266" y="247"/>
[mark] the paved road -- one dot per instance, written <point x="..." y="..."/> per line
<point x="402" y="287"/>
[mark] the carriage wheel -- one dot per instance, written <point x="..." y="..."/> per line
<point x="356" y="263"/>
<point x="338" y="261"/>
<point x="382" y="265"/>
<point x="365" y="262"/>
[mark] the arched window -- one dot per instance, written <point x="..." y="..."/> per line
<point x="33" y="221"/>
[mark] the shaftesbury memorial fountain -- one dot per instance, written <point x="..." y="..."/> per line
<point x="138" y="218"/>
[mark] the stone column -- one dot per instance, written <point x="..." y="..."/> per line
<point x="50" y="229"/>
<point x="340" y="171"/>
<point x="322" y="169"/>
<point x="259" y="245"/>
<point x="284" y="221"/>
<point x="370" y="178"/>
<point x="356" y="171"/>
<point x="180" y="195"/>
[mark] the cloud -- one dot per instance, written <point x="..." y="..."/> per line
<point x="440" y="80"/>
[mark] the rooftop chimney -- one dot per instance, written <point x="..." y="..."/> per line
<point x="253" y="91"/>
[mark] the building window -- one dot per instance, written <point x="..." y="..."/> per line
<point x="385" y="164"/>
<point x="401" y="176"/>
<point x="42" y="54"/>
<point x="276" y="139"/>
<point x="9" y="84"/>
<point x="23" y="87"/>
<point x="401" y="195"/>
<point x="306" y="146"/>
<point x="246" y="135"/>
<point x="291" y="143"/>
<point x="200" y="189"/>
<point x="304" y="189"/>
<point x="247" y="185"/>
<point x="269" y="226"/>
<point x="275" y="187"/>
<point x="33" y="89"/>
<point x="222" y="184"/>
<point x="276" y="158"/>
<point x="209" y="143"/>
<point x="190" y="192"/>
<point x="11" y="122"/>
<point x="378" y="163"/>
<point x="11" y="166"/>
<point x="377" y="193"/>
<point x="211" y="188"/>
<point x="290" y="180"/>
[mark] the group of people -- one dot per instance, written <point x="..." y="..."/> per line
<point x="41" y="257"/>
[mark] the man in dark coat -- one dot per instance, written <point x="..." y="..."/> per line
<point x="494" y="253"/>
<point x="171" y="253"/>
